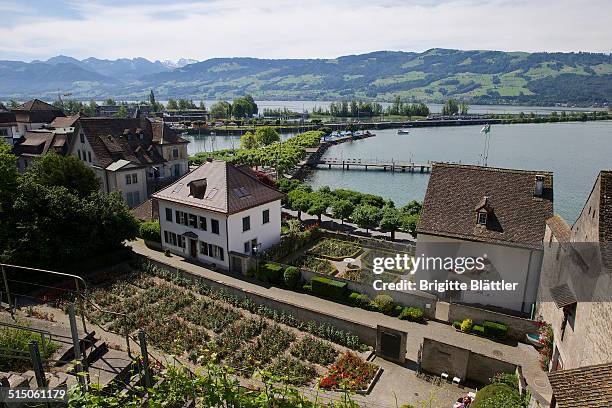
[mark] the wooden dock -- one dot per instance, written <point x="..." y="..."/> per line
<point x="362" y="164"/>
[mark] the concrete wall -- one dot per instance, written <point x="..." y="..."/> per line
<point x="512" y="264"/>
<point x="517" y="326"/>
<point x="438" y="357"/>
<point x="367" y="334"/>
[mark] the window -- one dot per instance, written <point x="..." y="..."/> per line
<point x="82" y="138"/>
<point x="129" y="197"/>
<point x="203" y="248"/>
<point x="128" y="178"/>
<point x="246" y="223"/>
<point x="175" y="153"/>
<point x="89" y="156"/>
<point x="482" y="218"/>
<point x="4" y="132"/>
<point x="79" y="152"/>
<point x="134" y="178"/>
<point x="136" y="195"/>
<point x="166" y="237"/>
<point x="177" y="169"/>
<point x="178" y="216"/>
<point x="214" y="226"/>
<point x="266" y="216"/>
<point x="193" y="221"/>
<point x="247" y="247"/>
<point x="169" y="214"/>
<point x="203" y="225"/>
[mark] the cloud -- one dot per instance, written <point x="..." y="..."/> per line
<point x="290" y="29"/>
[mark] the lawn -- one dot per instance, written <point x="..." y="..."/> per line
<point x="207" y="325"/>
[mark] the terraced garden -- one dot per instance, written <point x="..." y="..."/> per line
<point x="189" y="319"/>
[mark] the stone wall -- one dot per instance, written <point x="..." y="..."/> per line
<point x="438" y="357"/>
<point x="518" y="327"/>
<point x="367" y="334"/>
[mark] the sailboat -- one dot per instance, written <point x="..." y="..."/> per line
<point x="403" y="131"/>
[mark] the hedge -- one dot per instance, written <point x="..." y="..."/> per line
<point x="150" y="231"/>
<point x="292" y="277"/>
<point x="495" y="330"/>
<point x="270" y="272"/>
<point x="413" y="314"/>
<point x="478" y="330"/>
<point x="497" y="395"/>
<point x="329" y="288"/>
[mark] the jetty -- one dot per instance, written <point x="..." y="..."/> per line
<point x="363" y="164"/>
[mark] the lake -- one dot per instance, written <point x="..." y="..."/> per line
<point x="575" y="152"/>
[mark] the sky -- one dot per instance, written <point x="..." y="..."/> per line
<point x="173" y="29"/>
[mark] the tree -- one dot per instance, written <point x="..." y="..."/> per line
<point x="110" y="102"/>
<point x="64" y="171"/>
<point x="220" y="110"/>
<point x="251" y="101"/>
<point x="390" y="221"/>
<point x="202" y="105"/>
<point x="451" y="107"/>
<point x="172" y="104"/>
<point x="342" y="209"/>
<point x="318" y="205"/>
<point x="299" y="201"/>
<point x="366" y="216"/>
<point x="152" y="99"/>
<point x="413" y="207"/>
<point x="8" y="187"/>
<point x="409" y="223"/>
<point x="248" y="141"/>
<point x="241" y="108"/>
<point x="122" y="112"/>
<point x="463" y="108"/>
<point x="266" y="135"/>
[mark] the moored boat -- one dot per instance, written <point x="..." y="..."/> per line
<point x="403" y="131"/>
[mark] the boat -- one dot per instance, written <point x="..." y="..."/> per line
<point x="403" y="131"/>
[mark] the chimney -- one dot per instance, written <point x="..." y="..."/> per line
<point x="197" y="188"/>
<point x="539" y="185"/>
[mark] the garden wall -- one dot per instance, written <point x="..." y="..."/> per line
<point x="367" y="334"/>
<point x="425" y="301"/>
<point x="372" y="242"/>
<point x="438" y="357"/>
<point x="518" y="327"/>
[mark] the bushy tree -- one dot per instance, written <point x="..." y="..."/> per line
<point x="172" y="104"/>
<point x="366" y="216"/>
<point x="220" y="110"/>
<point x="318" y="205"/>
<point x="248" y="141"/>
<point x="410" y="222"/>
<point x="266" y="135"/>
<point x="390" y="221"/>
<point x="451" y="107"/>
<point x="298" y="200"/>
<point x="342" y="209"/>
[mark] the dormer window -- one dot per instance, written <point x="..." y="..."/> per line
<point x="482" y="218"/>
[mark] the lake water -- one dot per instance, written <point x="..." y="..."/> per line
<point x="574" y="152"/>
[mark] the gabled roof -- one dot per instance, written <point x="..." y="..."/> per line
<point x="36" y="105"/>
<point x="65" y="122"/>
<point x="559" y="228"/>
<point x="229" y="189"/>
<point x="163" y="134"/>
<point x="516" y="217"/>
<point x="584" y="387"/>
<point x="114" y="139"/>
<point x="39" y="142"/>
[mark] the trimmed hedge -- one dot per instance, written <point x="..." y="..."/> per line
<point x="478" y="330"/>
<point x="413" y="314"/>
<point x="150" y="231"/>
<point x="495" y="330"/>
<point x="329" y="288"/>
<point x="270" y="272"/>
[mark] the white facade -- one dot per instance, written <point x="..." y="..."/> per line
<point x="201" y="241"/>
<point x="509" y="263"/>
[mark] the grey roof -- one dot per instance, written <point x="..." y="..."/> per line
<point x="516" y="217"/>
<point x="229" y="189"/>
<point x="584" y="387"/>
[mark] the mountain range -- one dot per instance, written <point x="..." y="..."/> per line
<point x="430" y="76"/>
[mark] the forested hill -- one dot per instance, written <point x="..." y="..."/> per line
<point x="431" y="76"/>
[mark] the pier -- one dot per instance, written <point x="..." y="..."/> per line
<point x="362" y="164"/>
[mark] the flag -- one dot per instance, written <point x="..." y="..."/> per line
<point x="486" y="129"/>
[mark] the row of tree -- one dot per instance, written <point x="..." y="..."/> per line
<point x="366" y="210"/>
<point x="264" y="136"/>
<point x="55" y="214"/>
<point x="244" y="107"/>
<point x="357" y="109"/>
<point x="454" y="107"/>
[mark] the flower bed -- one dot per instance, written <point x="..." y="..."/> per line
<point x="315" y="264"/>
<point x="349" y="372"/>
<point x="336" y="249"/>
<point x="293" y="371"/>
<point x="314" y="350"/>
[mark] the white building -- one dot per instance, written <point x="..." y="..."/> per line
<point x="219" y="214"/>
<point x="8" y="126"/>
<point x="473" y="211"/>
<point x="133" y="156"/>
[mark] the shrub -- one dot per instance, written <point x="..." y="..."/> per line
<point x="383" y="304"/>
<point x="457" y="324"/>
<point x="497" y="395"/>
<point x="359" y="300"/>
<point x="467" y="325"/>
<point x="413" y="314"/>
<point x="150" y="231"/>
<point x="495" y="330"/>
<point x="270" y="272"/>
<point x="478" y="330"/>
<point x="292" y="277"/>
<point x="329" y="288"/>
